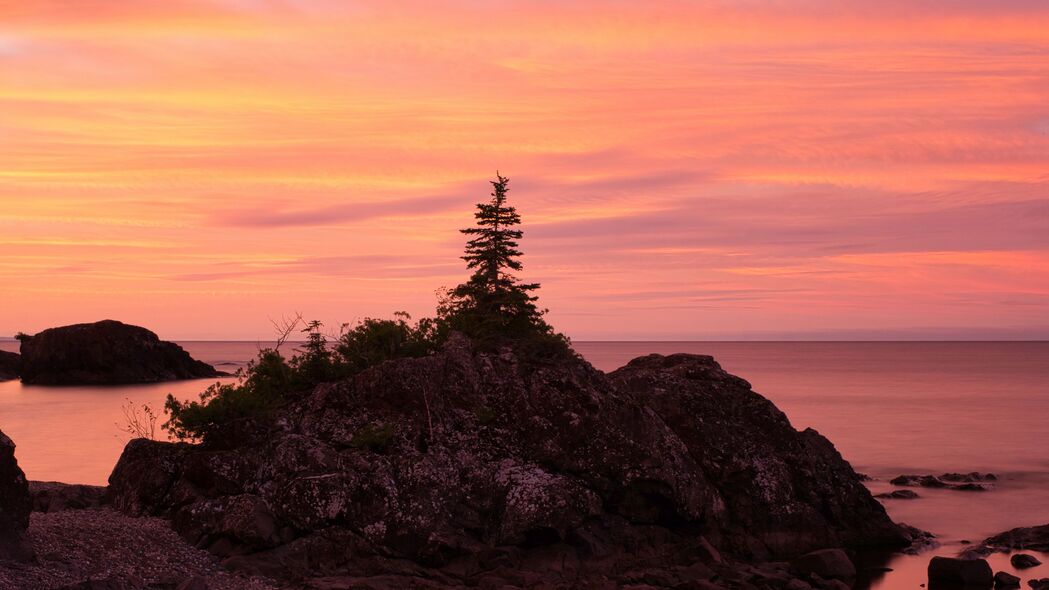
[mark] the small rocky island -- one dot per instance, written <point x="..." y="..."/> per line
<point x="105" y="353"/>
<point x="10" y="365"/>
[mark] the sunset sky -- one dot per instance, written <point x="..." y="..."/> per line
<point x="686" y="170"/>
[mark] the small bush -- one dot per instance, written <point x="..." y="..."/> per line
<point x="227" y="413"/>
<point x="374" y="341"/>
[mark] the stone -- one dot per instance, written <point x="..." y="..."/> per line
<point x="105" y="353"/>
<point x="1006" y="580"/>
<point x="15" y="505"/>
<point x="898" y="495"/>
<point x="948" y="572"/>
<point x="826" y="563"/>
<point x="1023" y="561"/>
<point x="1040" y="584"/>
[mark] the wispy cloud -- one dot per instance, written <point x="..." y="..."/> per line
<point x="700" y="168"/>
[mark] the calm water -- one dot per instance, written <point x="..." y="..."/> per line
<point x="890" y="408"/>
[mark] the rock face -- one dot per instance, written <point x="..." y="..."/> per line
<point x="10" y="365"/>
<point x="106" y="352"/>
<point x="14" y="505"/>
<point x="464" y="465"/>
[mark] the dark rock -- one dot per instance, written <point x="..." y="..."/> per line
<point x="1041" y="584"/>
<point x="899" y="495"/>
<point x="973" y="477"/>
<point x="10" y="365"/>
<point x="1035" y="538"/>
<point x="194" y="583"/>
<point x="826" y="563"/>
<point x="925" y="481"/>
<point x="103" y="353"/>
<point x="1006" y="580"/>
<point x="964" y="482"/>
<point x="920" y="541"/>
<point x="105" y="584"/>
<point x="52" y="496"/>
<point x="947" y="572"/>
<point x="14" y="505"/>
<point x="524" y="471"/>
<point x="1023" y="561"/>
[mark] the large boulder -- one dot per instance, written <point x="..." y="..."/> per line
<point x="10" y="365"/>
<point x="106" y="352"/>
<point x="951" y="573"/>
<point x="15" y="505"/>
<point x="462" y="462"/>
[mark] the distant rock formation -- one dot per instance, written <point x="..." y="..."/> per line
<point x="467" y="467"/>
<point x="964" y="482"/>
<point x="15" y="505"/>
<point x="10" y="365"/>
<point x="106" y="353"/>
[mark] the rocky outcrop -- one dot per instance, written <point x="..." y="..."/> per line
<point x="52" y="496"/>
<point x="963" y="482"/>
<point x="14" y="505"/>
<point x="10" y="365"/>
<point x="1035" y="538"/>
<point x="471" y="467"/>
<point x="106" y="352"/>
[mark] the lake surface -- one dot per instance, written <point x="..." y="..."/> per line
<point x="889" y="407"/>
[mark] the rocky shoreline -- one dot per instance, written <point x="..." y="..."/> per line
<point x="478" y="468"/>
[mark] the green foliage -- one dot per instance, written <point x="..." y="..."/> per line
<point x="373" y="438"/>
<point x="374" y="341"/>
<point x="228" y="412"/>
<point x="316" y="362"/>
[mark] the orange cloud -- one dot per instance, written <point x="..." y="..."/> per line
<point x="685" y="169"/>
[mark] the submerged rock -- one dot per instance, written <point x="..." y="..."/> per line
<point x="14" y="505"/>
<point x="963" y="482"/>
<point x="517" y="471"/>
<point x="899" y="495"/>
<point x="106" y="352"/>
<point x="947" y="572"/>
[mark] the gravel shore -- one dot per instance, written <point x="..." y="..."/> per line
<point x="115" y="552"/>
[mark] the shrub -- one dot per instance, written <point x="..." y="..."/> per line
<point x="373" y="341"/>
<point x="226" y="413"/>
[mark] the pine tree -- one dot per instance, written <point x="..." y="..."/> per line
<point x="493" y="302"/>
